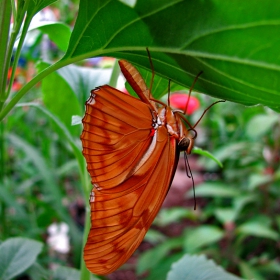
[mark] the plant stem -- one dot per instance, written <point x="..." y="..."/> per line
<point x="85" y="274"/>
<point x="18" y="52"/>
<point x="5" y="16"/>
<point x="115" y="74"/>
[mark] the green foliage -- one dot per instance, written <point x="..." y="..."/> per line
<point x="17" y="254"/>
<point x="42" y="170"/>
<point x="197" y="267"/>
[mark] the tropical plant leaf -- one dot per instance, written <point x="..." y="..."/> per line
<point x="68" y="273"/>
<point x="228" y="41"/>
<point x="196" y="238"/>
<point x="198" y="268"/>
<point x="202" y="152"/>
<point x="16" y="255"/>
<point x="217" y="189"/>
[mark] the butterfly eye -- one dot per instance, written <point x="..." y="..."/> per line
<point x="184" y="143"/>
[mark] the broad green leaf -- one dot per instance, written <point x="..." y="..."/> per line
<point x="215" y="189"/>
<point x="154" y="237"/>
<point x="152" y="257"/>
<point x="256" y="180"/>
<point x="235" y="44"/>
<point x="250" y="272"/>
<point x="65" y="92"/>
<point x="38" y="5"/>
<point x="58" y="32"/>
<point x="16" y="255"/>
<point x="198" y="268"/>
<point x="260" y="125"/>
<point x="259" y="227"/>
<point x="196" y="238"/>
<point x="236" y="150"/>
<point x="68" y="273"/>
<point x="60" y="98"/>
<point x="240" y="201"/>
<point x="175" y="214"/>
<point x="202" y="152"/>
<point x="130" y="3"/>
<point x="270" y="266"/>
<point x="36" y="271"/>
<point x="225" y="215"/>
<point x="161" y="269"/>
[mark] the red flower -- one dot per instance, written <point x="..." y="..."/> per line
<point x="179" y="101"/>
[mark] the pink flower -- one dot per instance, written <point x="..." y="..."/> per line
<point x="179" y="101"/>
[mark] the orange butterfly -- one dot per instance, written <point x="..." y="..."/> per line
<point x="132" y="149"/>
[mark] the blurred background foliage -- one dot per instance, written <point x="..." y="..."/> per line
<point x="237" y="221"/>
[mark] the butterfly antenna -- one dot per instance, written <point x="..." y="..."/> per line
<point x="190" y="90"/>
<point x="153" y="72"/>
<point x="188" y="169"/>
<point x="207" y="110"/>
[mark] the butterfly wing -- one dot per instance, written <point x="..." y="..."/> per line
<point x="131" y="170"/>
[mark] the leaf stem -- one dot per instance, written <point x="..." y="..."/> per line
<point x="18" y="52"/>
<point x="115" y="74"/>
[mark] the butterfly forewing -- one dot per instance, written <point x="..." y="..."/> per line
<point x="131" y="166"/>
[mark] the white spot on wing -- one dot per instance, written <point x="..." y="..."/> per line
<point x="148" y="152"/>
<point x="91" y="99"/>
<point x="92" y="197"/>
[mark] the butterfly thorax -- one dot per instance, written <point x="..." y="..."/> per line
<point x="176" y="128"/>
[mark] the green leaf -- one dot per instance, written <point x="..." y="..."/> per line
<point x="36" y="271"/>
<point x="235" y="150"/>
<point x="225" y="215"/>
<point x="256" y="180"/>
<point x="260" y="125"/>
<point x="240" y="201"/>
<point x="58" y="32"/>
<point x="167" y="216"/>
<point x="249" y="272"/>
<point x="154" y="236"/>
<point x="198" y="268"/>
<point x="69" y="273"/>
<point x="16" y="255"/>
<point x="270" y="266"/>
<point x="66" y="273"/>
<point x="161" y="269"/>
<point x="196" y="238"/>
<point x="38" y="5"/>
<point x="235" y="44"/>
<point x="9" y="198"/>
<point x="202" y="152"/>
<point x="215" y="189"/>
<point x="259" y="227"/>
<point x="65" y="91"/>
<point x="151" y="258"/>
<point x="33" y="155"/>
<point x="130" y="3"/>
